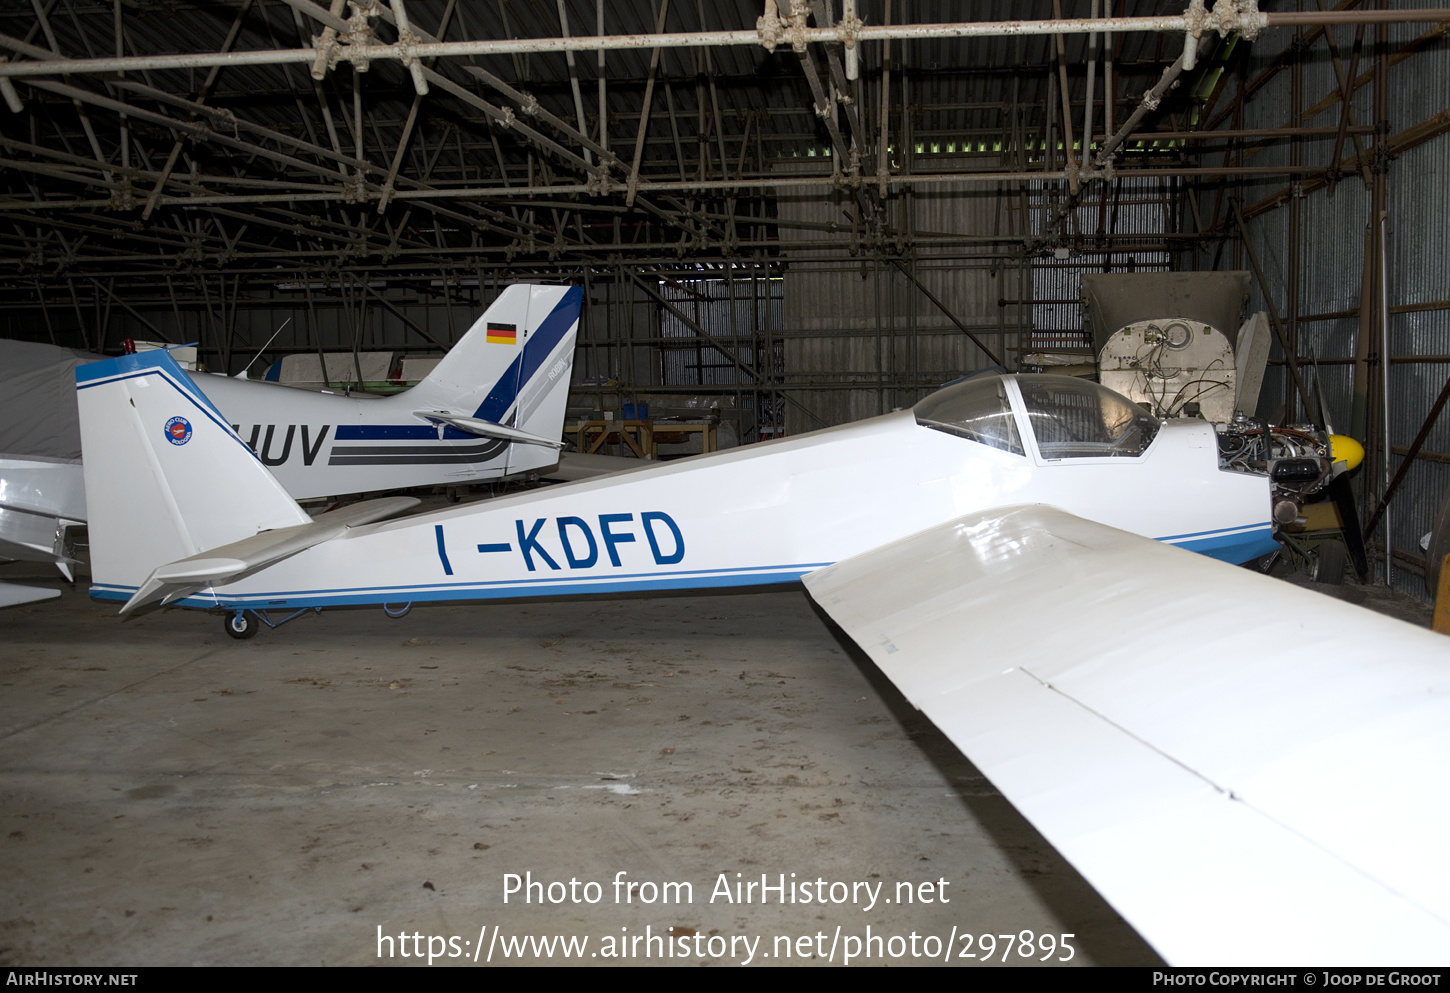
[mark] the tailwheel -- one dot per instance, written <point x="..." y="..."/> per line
<point x="240" y="624"/>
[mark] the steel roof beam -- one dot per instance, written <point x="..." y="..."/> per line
<point x="1247" y="22"/>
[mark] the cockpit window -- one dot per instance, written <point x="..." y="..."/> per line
<point x="1073" y="419"/>
<point x="977" y="409"/>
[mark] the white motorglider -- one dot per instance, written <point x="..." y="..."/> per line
<point x="1249" y="772"/>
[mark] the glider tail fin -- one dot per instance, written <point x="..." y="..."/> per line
<point x="546" y="369"/>
<point x="512" y="368"/>
<point x="166" y="477"/>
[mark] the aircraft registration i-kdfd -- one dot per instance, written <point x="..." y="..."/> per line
<point x="1249" y="772"/>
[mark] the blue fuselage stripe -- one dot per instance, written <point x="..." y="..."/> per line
<point x="394" y="432"/>
<point x="1236" y="545"/>
<point x="477" y="591"/>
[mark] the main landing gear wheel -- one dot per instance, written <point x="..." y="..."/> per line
<point x="240" y="625"/>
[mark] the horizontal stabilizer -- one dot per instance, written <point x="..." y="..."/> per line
<point x="485" y="429"/>
<point x="13" y="594"/>
<point x="183" y="577"/>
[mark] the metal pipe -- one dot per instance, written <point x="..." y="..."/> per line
<point x="328" y="18"/>
<point x="315" y="194"/>
<point x="996" y="359"/>
<point x="882" y="157"/>
<point x="847" y="91"/>
<point x="1149" y="101"/>
<point x="1409" y="458"/>
<point x="1087" y="111"/>
<point x="1346" y="96"/>
<point x="655" y="253"/>
<point x="7" y="89"/>
<point x="1399" y="308"/>
<point x="1225" y="133"/>
<point x="603" y="103"/>
<point x="1401" y="53"/>
<point x="1290" y="19"/>
<point x="200" y="99"/>
<point x="1385" y="392"/>
<point x="574" y="81"/>
<point x="649" y="89"/>
<point x="1110" y="95"/>
<point x="1346" y="109"/>
<point x="841" y="34"/>
<point x="1394" y="145"/>
<point x="1396" y="359"/>
<point x="1273" y="307"/>
<point x="397" y="162"/>
<point x="1067" y="151"/>
<point x="825" y="104"/>
<point x="719" y="122"/>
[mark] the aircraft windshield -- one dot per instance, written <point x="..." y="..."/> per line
<point x="977" y="409"/>
<point x="1073" y="418"/>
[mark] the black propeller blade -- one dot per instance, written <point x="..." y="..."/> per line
<point x="1343" y="497"/>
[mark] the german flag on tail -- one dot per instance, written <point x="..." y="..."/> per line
<point x="503" y="334"/>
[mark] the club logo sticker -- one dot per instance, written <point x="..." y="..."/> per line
<point x="178" y="430"/>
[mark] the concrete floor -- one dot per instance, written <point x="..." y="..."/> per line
<point x="171" y="796"/>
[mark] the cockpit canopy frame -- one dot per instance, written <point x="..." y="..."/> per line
<point x="1057" y="417"/>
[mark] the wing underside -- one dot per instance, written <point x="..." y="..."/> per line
<point x="1249" y="772"/>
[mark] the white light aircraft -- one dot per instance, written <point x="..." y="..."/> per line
<point x="40" y="499"/>
<point x="1250" y="773"/>
<point x="42" y="493"/>
<point x="492" y="408"/>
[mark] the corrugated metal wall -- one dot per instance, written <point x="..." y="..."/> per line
<point x="864" y="327"/>
<point x="860" y="328"/>
<point x="741" y="315"/>
<point x="1331" y="231"/>
<point x="1132" y="206"/>
<point x="1419" y="242"/>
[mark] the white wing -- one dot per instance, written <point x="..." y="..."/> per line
<point x="14" y="594"/>
<point x="1249" y="772"/>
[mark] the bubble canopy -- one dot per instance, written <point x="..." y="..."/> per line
<point x="977" y="409"/>
<point x="1067" y="417"/>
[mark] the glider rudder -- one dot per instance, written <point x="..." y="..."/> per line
<point x="166" y="477"/>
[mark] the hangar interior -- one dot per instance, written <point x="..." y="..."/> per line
<point x="784" y="231"/>
<point x="784" y="216"/>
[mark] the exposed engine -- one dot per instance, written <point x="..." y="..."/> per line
<point x="1162" y="340"/>
<point x="1298" y="459"/>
